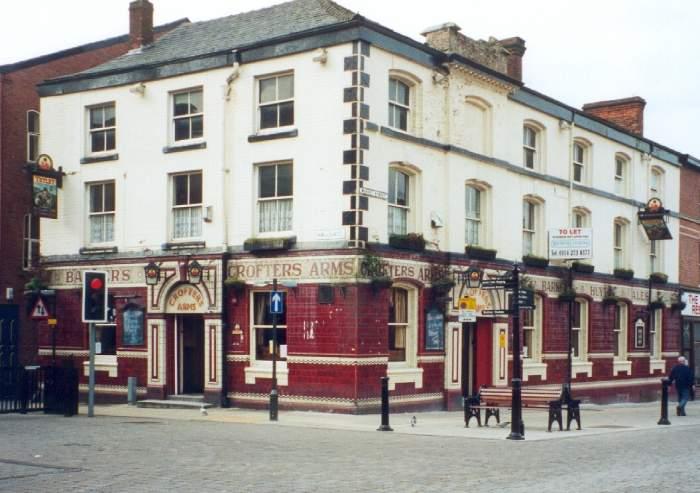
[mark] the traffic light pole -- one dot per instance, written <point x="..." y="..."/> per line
<point x="91" y="378"/>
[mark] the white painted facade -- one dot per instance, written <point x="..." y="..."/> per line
<point x="465" y="110"/>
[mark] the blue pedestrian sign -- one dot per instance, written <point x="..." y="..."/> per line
<point x="276" y="302"/>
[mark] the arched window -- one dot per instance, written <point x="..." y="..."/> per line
<point x="581" y="161"/>
<point x="32" y="135"/>
<point x="622" y="170"/>
<point x="620" y="332"/>
<point x="579" y="336"/>
<point x="533" y="225"/>
<point x="403" y="101"/>
<point x="580" y="217"/>
<point x="476" y="125"/>
<point x="532" y="332"/>
<point x="402" y="200"/>
<point x="620" y="234"/>
<point x="533" y="145"/>
<point x="656" y="182"/>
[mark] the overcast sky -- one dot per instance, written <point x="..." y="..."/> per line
<point x="577" y="51"/>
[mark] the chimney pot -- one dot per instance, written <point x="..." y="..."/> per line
<point x="627" y="113"/>
<point x="516" y="49"/>
<point x="140" y="23"/>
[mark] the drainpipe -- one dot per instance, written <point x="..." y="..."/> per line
<point x="571" y="126"/>
<point x="224" y="402"/>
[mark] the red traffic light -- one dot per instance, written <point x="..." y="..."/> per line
<point x="96" y="283"/>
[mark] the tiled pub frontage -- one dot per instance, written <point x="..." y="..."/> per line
<point x="201" y="324"/>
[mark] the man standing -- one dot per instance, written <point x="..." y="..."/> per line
<point x="683" y="377"/>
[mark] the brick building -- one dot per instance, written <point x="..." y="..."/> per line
<point x="689" y="260"/>
<point x="20" y="145"/>
<point x="366" y="172"/>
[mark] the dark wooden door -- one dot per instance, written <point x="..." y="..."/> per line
<point x="192" y="355"/>
<point x="9" y="335"/>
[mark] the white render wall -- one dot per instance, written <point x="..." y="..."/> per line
<point x="230" y="187"/>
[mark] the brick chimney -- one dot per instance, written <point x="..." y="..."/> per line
<point x="627" y="113"/>
<point x="140" y="23"/>
<point x="516" y="50"/>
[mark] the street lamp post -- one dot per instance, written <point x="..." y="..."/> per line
<point x="516" y="425"/>
<point x="569" y="356"/>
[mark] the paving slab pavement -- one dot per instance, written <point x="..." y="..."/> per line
<point x="595" y="420"/>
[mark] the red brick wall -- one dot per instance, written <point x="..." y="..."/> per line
<point x="689" y="242"/>
<point x="626" y="113"/>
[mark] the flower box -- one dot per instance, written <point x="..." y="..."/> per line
<point x="535" y="261"/>
<point x="623" y="273"/>
<point x="480" y="253"/>
<point x="658" y="278"/>
<point x="583" y="267"/>
<point x="411" y="241"/>
<point x="269" y="244"/>
<point x="379" y="283"/>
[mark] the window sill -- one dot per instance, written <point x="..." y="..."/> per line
<point x="657" y="365"/>
<point x="534" y="369"/>
<point x="99" y="159"/>
<point x="98" y="250"/>
<point x="263" y="136"/>
<point x="263" y="369"/>
<point x="176" y="245"/>
<point x="184" y="147"/>
<point x="103" y="362"/>
<point x="578" y="367"/>
<point x="622" y="366"/>
<point x="270" y="243"/>
<point x="402" y="374"/>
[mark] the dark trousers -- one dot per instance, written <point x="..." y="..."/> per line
<point x="683" y="397"/>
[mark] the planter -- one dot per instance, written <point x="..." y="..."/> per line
<point x="566" y="296"/>
<point x="658" y="278"/>
<point x="480" y="253"/>
<point x="583" y="267"/>
<point x="678" y="306"/>
<point x="623" y="273"/>
<point x="411" y="241"/>
<point x="611" y="300"/>
<point x="379" y="283"/>
<point x="236" y="285"/>
<point x="269" y="244"/>
<point x="655" y="305"/>
<point x="442" y="286"/>
<point x="535" y="261"/>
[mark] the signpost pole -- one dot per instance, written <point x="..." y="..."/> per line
<point x="274" y="397"/>
<point x="569" y="356"/>
<point x="53" y="344"/>
<point x="91" y="378"/>
<point x="516" y="425"/>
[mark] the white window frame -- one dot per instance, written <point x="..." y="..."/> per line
<point x="534" y="352"/>
<point x="656" y="256"/>
<point x="580" y="217"/>
<point x="620" y="330"/>
<point x="102" y="214"/>
<point x="103" y="129"/>
<point x="620" y="257"/>
<point x="189" y="205"/>
<point x="395" y="105"/>
<point x="262" y="368"/>
<point x="530" y="147"/>
<point x="474" y="218"/>
<point x="580" y="162"/>
<point x="276" y="198"/>
<point x="656" y="182"/>
<point x="33" y="135"/>
<point x="532" y="229"/>
<point x="189" y="116"/>
<point x="409" y="209"/>
<point x="621" y="174"/>
<point x="408" y="370"/>
<point x="30" y="241"/>
<point x="277" y="102"/>
<point x="580" y="332"/>
<point x="656" y="335"/>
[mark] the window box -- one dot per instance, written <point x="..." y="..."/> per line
<point x="269" y="244"/>
<point x="235" y="284"/>
<point x="480" y="253"/>
<point x="678" y="306"/>
<point x="410" y="241"/>
<point x="567" y="295"/>
<point x="379" y="283"/>
<point x="658" y="277"/>
<point x="657" y="304"/>
<point x="443" y="285"/>
<point x="611" y="300"/>
<point x="583" y="267"/>
<point x="623" y="273"/>
<point x="35" y="285"/>
<point x="535" y="261"/>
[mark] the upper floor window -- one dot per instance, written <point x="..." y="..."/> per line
<point x="580" y="217"/>
<point x="32" y="135"/>
<point x="103" y="127"/>
<point x="531" y="227"/>
<point x="619" y="244"/>
<point x="621" y="171"/>
<point x="580" y="155"/>
<point x="276" y="101"/>
<point x="473" y="226"/>
<point x="655" y="256"/>
<point x="30" y="243"/>
<point x="101" y="212"/>
<point x="399" y="104"/>
<point x="530" y="154"/>
<point x="275" y="192"/>
<point x="188" y="115"/>
<point x="187" y="205"/>
<point x="656" y="179"/>
<point x="399" y="201"/>
<point x="475" y="130"/>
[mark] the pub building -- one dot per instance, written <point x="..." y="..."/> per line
<point x="199" y="181"/>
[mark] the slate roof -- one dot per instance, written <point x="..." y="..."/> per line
<point x="231" y="32"/>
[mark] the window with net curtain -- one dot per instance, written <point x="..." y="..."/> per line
<point x="472" y="231"/>
<point x="187" y="205"/>
<point x="399" y="104"/>
<point x="101" y="212"/>
<point x="399" y="205"/>
<point x="529" y="227"/>
<point x="398" y="324"/>
<point x="275" y="203"/>
<point x="262" y="327"/>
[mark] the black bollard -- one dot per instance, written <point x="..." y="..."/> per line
<point x="385" y="406"/>
<point x="665" y="382"/>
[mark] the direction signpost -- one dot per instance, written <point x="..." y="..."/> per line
<point x="276" y="308"/>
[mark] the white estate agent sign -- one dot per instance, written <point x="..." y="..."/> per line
<point x="570" y="243"/>
<point x="692" y="304"/>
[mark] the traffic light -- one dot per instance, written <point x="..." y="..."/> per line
<point x="94" y="296"/>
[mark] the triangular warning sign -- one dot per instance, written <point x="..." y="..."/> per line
<point x="39" y="310"/>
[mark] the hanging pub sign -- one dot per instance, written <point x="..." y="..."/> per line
<point x="45" y="184"/>
<point x="434" y="330"/>
<point x="653" y="220"/>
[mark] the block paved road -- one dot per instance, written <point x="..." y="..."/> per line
<point x="41" y="453"/>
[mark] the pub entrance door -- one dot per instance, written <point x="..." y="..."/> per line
<point x="476" y="355"/>
<point x="190" y="354"/>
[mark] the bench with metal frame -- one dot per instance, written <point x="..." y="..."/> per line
<point x="493" y="399"/>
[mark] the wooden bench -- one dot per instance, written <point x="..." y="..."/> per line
<point x="492" y="399"/>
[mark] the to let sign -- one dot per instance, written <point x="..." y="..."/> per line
<point x="570" y="243"/>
